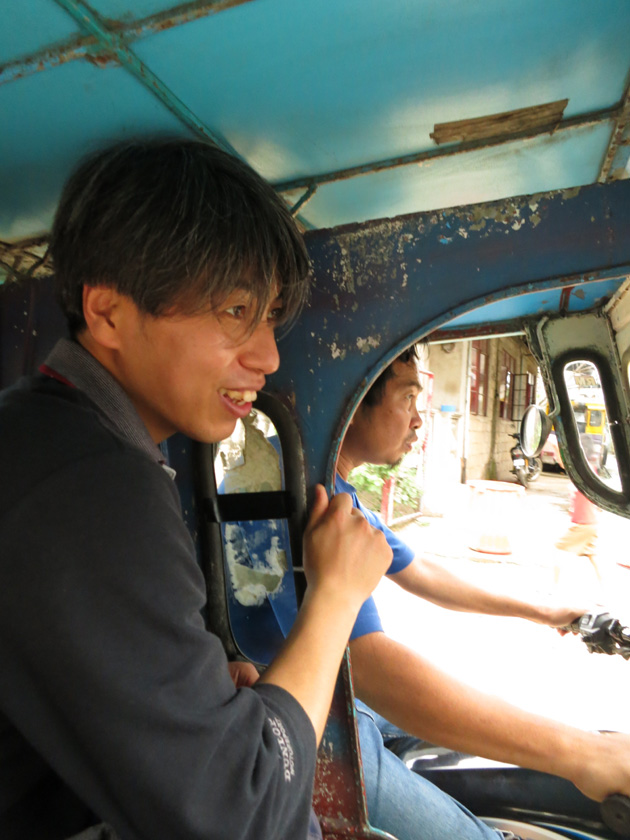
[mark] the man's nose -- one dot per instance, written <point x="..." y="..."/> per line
<point x="416" y="420"/>
<point x="261" y="350"/>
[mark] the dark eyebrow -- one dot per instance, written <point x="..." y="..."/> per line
<point x="410" y="383"/>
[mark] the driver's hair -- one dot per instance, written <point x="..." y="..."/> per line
<point x="176" y="225"/>
<point x="375" y="394"/>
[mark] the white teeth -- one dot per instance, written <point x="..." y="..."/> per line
<point x="240" y="397"/>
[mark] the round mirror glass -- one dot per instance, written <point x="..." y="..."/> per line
<point x="535" y="427"/>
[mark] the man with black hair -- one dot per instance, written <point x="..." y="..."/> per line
<point x="174" y="265"/>
<point x="407" y="694"/>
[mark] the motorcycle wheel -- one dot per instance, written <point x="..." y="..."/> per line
<point x="522" y="477"/>
<point x="534" y="469"/>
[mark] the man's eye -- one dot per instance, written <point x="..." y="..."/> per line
<point x="236" y="311"/>
<point x="276" y="314"/>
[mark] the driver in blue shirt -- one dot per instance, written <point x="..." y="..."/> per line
<point x="406" y="693"/>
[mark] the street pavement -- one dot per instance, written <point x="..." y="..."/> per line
<point x="527" y="664"/>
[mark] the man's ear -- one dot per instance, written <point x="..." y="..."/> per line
<point x="102" y="311"/>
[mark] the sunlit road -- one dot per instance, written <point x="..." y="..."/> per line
<point x="527" y="664"/>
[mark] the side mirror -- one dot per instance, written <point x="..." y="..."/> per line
<point x="535" y="428"/>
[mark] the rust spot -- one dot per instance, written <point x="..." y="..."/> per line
<point x="113" y="25"/>
<point x="565" y="297"/>
<point x="102" y="59"/>
<point x="169" y="19"/>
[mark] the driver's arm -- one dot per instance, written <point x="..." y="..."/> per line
<point x="433" y="582"/>
<point x="416" y="696"/>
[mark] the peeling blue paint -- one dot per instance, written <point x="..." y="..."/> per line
<point x="494" y="251"/>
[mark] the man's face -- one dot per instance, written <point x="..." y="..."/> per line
<point x="197" y="374"/>
<point x="383" y="433"/>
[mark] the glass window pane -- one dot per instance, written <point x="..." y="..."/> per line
<point x="583" y="384"/>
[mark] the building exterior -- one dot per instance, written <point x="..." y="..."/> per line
<point x="480" y="390"/>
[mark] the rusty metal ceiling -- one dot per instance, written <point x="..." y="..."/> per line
<point x="355" y="110"/>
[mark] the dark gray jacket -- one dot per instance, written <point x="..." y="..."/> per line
<point x="115" y="702"/>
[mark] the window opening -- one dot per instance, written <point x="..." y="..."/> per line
<point x="583" y="384"/>
<point x="523" y="390"/>
<point x="261" y="595"/>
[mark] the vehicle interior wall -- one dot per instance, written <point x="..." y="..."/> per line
<point x="30" y="323"/>
<point x="620" y="320"/>
<point x="560" y="342"/>
<point x="380" y="285"/>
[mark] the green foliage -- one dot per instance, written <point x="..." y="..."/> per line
<point x="407" y="491"/>
<point x="369" y="479"/>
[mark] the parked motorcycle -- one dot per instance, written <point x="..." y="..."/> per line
<point x="525" y="469"/>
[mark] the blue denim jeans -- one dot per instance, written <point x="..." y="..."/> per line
<point x="402" y="802"/>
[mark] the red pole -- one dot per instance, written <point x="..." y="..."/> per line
<point x="387" y="500"/>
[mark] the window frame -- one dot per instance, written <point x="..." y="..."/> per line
<point x="479" y="376"/>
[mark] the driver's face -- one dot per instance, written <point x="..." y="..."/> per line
<point x="383" y="433"/>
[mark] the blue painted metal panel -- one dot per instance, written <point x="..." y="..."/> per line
<point x="542" y="164"/>
<point x="64" y="114"/>
<point x="301" y="88"/>
<point x="29" y="26"/>
<point x="585" y="295"/>
<point x="381" y="285"/>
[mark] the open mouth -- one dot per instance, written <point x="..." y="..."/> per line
<point x="239" y="397"/>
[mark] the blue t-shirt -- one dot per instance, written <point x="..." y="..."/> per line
<point x="368" y="620"/>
